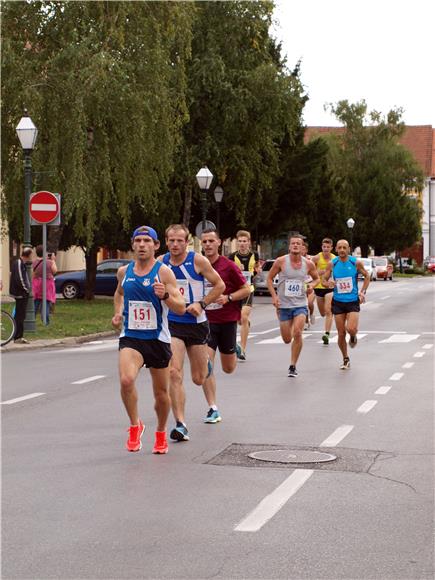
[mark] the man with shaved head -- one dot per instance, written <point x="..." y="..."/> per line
<point x="346" y="298"/>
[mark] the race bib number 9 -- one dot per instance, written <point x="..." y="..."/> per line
<point x="141" y="315"/>
<point x="344" y="285"/>
<point x="293" y="288"/>
<point x="183" y="287"/>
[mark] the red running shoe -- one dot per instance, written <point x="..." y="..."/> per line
<point x="134" y="442"/>
<point x="161" y="443"/>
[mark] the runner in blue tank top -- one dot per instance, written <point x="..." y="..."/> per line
<point x="346" y="298"/>
<point x="146" y="289"/>
<point x="200" y="285"/>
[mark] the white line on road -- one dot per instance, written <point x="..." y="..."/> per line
<point x="400" y="338"/>
<point x="19" y="399"/>
<point x="427" y="346"/>
<point x="382" y="390"/>
<point x="385" y="297"/>
<point x="408" y="365"/>
<point x="337" y="436"/>
<point x="88" y="379"/>
<point x="396" y="376"/>
<point x="419" y="354"/>
<point x="366" y="406"/>
<point x="273" y="502"/>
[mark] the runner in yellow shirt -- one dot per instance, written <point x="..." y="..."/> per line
<point x="324" y="293"/>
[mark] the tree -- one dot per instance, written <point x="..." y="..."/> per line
<point x="377" y="178"/>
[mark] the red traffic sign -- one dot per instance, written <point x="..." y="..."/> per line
<point x="44" y="207"/>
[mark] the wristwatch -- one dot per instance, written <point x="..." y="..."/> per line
<point x="165" y="295"/>
<point x="230" y="298"/>
<point x="202" y="304"/>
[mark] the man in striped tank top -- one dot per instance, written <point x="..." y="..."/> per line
<point x="145" y="292"/>
<point x="190" y="331"/>
<point x="291" y="299"/>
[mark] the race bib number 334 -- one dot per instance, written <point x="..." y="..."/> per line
<point x="141" y="315"/>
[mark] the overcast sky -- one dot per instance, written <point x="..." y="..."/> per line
<point x="382" y="51"/>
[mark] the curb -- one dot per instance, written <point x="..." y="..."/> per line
<point x="70" y="340"/>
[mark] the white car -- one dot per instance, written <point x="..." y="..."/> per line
<point x="369" y="266"/>
<point x="260" y="280"/>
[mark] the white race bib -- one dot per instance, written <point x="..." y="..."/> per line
<point x="141" y="315"/>
<point x="344" y="285"/>
<point x="207" y="289"/>
<point x="293" y="288"/>
<point x="247" y="276"/>
<point x="183" y="287"/>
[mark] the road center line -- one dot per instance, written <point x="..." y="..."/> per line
<point x="382" y="390"/>
<point x="396" y="376"/>
<point x="408" y="365"/>
<point x="385" y="297"/>
<point x="427" y="346"/>
<point x="19" y="399"/>
<point x="337" y="436"/>
<point x="366" y="406"/>
<point x="273" y="502"/>
<point x="88" y="380"/>
<point x="419" y="354"/>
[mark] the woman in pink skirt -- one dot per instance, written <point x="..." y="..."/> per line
<point x="37" y="281"/>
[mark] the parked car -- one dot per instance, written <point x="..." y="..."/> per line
<point x="369" y="266"/>
<point x="260" y="280"/>
<point x="406" y="264"/>
<point x="72" y="284"/>
<point x="430" y="264"/>
<point x="384" y="268"/>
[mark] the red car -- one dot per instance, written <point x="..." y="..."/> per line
<point x="430" y="264"/>
<point x="383" y="268"/>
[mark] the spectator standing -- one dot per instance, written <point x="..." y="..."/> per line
<point x="19" y="289"/>
<point x="37" y="282"/>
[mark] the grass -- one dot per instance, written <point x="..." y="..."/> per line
<point x="73" y="318"/>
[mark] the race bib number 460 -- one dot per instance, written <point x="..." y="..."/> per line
<point x="293" y="288"/>
<point x="344" y="285"/>
<point x="141" y="315"/>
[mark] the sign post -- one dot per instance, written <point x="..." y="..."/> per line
<point x="44" y="208"/>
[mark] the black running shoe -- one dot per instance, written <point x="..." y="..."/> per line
<point x="292" y="372"/>
<point x="352" y="341"/>
<point x="179" y="433"/>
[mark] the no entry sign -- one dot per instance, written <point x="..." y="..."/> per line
<point x="44" y="207"/>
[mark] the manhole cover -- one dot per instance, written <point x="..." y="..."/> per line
<point x="292" y="456"/>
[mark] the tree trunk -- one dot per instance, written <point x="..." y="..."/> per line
<point x="54" y="236"/>
<point x="91" y="272"/>
<point x="187" y="204"/>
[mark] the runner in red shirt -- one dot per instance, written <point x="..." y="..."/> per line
<point x="223" y="315"/>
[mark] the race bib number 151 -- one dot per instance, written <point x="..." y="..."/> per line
<point x="141" y="315"/>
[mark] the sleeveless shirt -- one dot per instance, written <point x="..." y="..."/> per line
<point x="346" y="282"/>
<point x="321" y="265"/>
<point x="291" y="285"/>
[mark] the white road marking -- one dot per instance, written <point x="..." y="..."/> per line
<point x="19" y="399"/>
<point x="334" y="339"/>
<point x="408" y="365"/>
<point x="337" y="436"/>
<point x="273" y="502"/>
<point x="267" y="331"/>
<point x="396" y="376"/>
<point x="428" y="333"/>
<point x="88" y="380"/>
<point x="366" y="406"/>
<point x="382" y="390"/>
<point x="106" y="345"/>
<point x="400" y="338"/>
<point x="385" y="297"/>
<point x="419" y="354"/>
<point x="371" y="305"/>
<point x="427" y="346"/>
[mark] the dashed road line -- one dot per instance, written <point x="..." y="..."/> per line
<point x="24" y="398"/>
<point x="382" y="390"/>
<point x="337" y="436"/>
<point x="366" y="406"/>
<point x="396" y="376"/>
<point x="427" y="346"/>
<point x="408" y="365"/>
<point x="419" y="354"/>
<point x="400" y="338"/>
<point x="88" y="380"/>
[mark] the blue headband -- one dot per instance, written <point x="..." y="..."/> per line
<point x="145" y="231"/>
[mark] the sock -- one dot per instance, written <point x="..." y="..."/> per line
<point x="214" y="407"/>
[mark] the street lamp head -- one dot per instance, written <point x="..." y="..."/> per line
<point x="27" y="132"/>
<point x="218" y="194"/>
<point x="350" y="223"/>
<point x="204" y="177"/>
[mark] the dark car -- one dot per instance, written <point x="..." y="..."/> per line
<point x="72" y="284"/>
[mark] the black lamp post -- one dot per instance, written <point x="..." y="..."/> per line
<point x="204" y="177"/>
<point x="218" y="195"/>
<point x="27" y="134"/>
<point x="350" y="223"/>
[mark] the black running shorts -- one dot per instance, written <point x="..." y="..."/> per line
<point x="322" y="292"/>
<point x="344" y="307"/>
<point x="248" y="300"/>
<point x="223" y="337"/>
<point x="190" y="333"/>
<point x="155" y="353"/>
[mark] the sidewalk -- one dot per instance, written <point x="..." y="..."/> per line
<point x="71" y="340"/>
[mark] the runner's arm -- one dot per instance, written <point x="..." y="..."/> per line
<point x="118" y="298"/>
<point x="168" y="287"/>
<point x="312" y="271"/>
<point x="327" y="275"/>
<point x="362" y="292"/>
<point x="276" y="268"/>
<point x="203" y="267"/>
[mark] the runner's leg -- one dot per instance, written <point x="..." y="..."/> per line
<point x="328" y="312"/>
<point x="340" y="323"/>
<point x="176" y="375"/>
<point x="130" y="363"/>
<point x="198" y="356"/>
<point x="285" y="327"/>
<point x="352" y="323"/>
<point x="244" y="326"/>
<point x="297" y="329"/>
<point x="209" y="385"/>
<point x="162" y="405"/>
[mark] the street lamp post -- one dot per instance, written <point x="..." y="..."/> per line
<point x="204" y="177"/>
<point x="350" y="223"/>
<point x="27" y="134"/>
<point x="218" y="195"/>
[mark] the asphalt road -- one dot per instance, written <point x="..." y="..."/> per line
<point x="77" y="505"/>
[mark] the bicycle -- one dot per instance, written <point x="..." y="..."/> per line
<point x="7" y="327"/>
